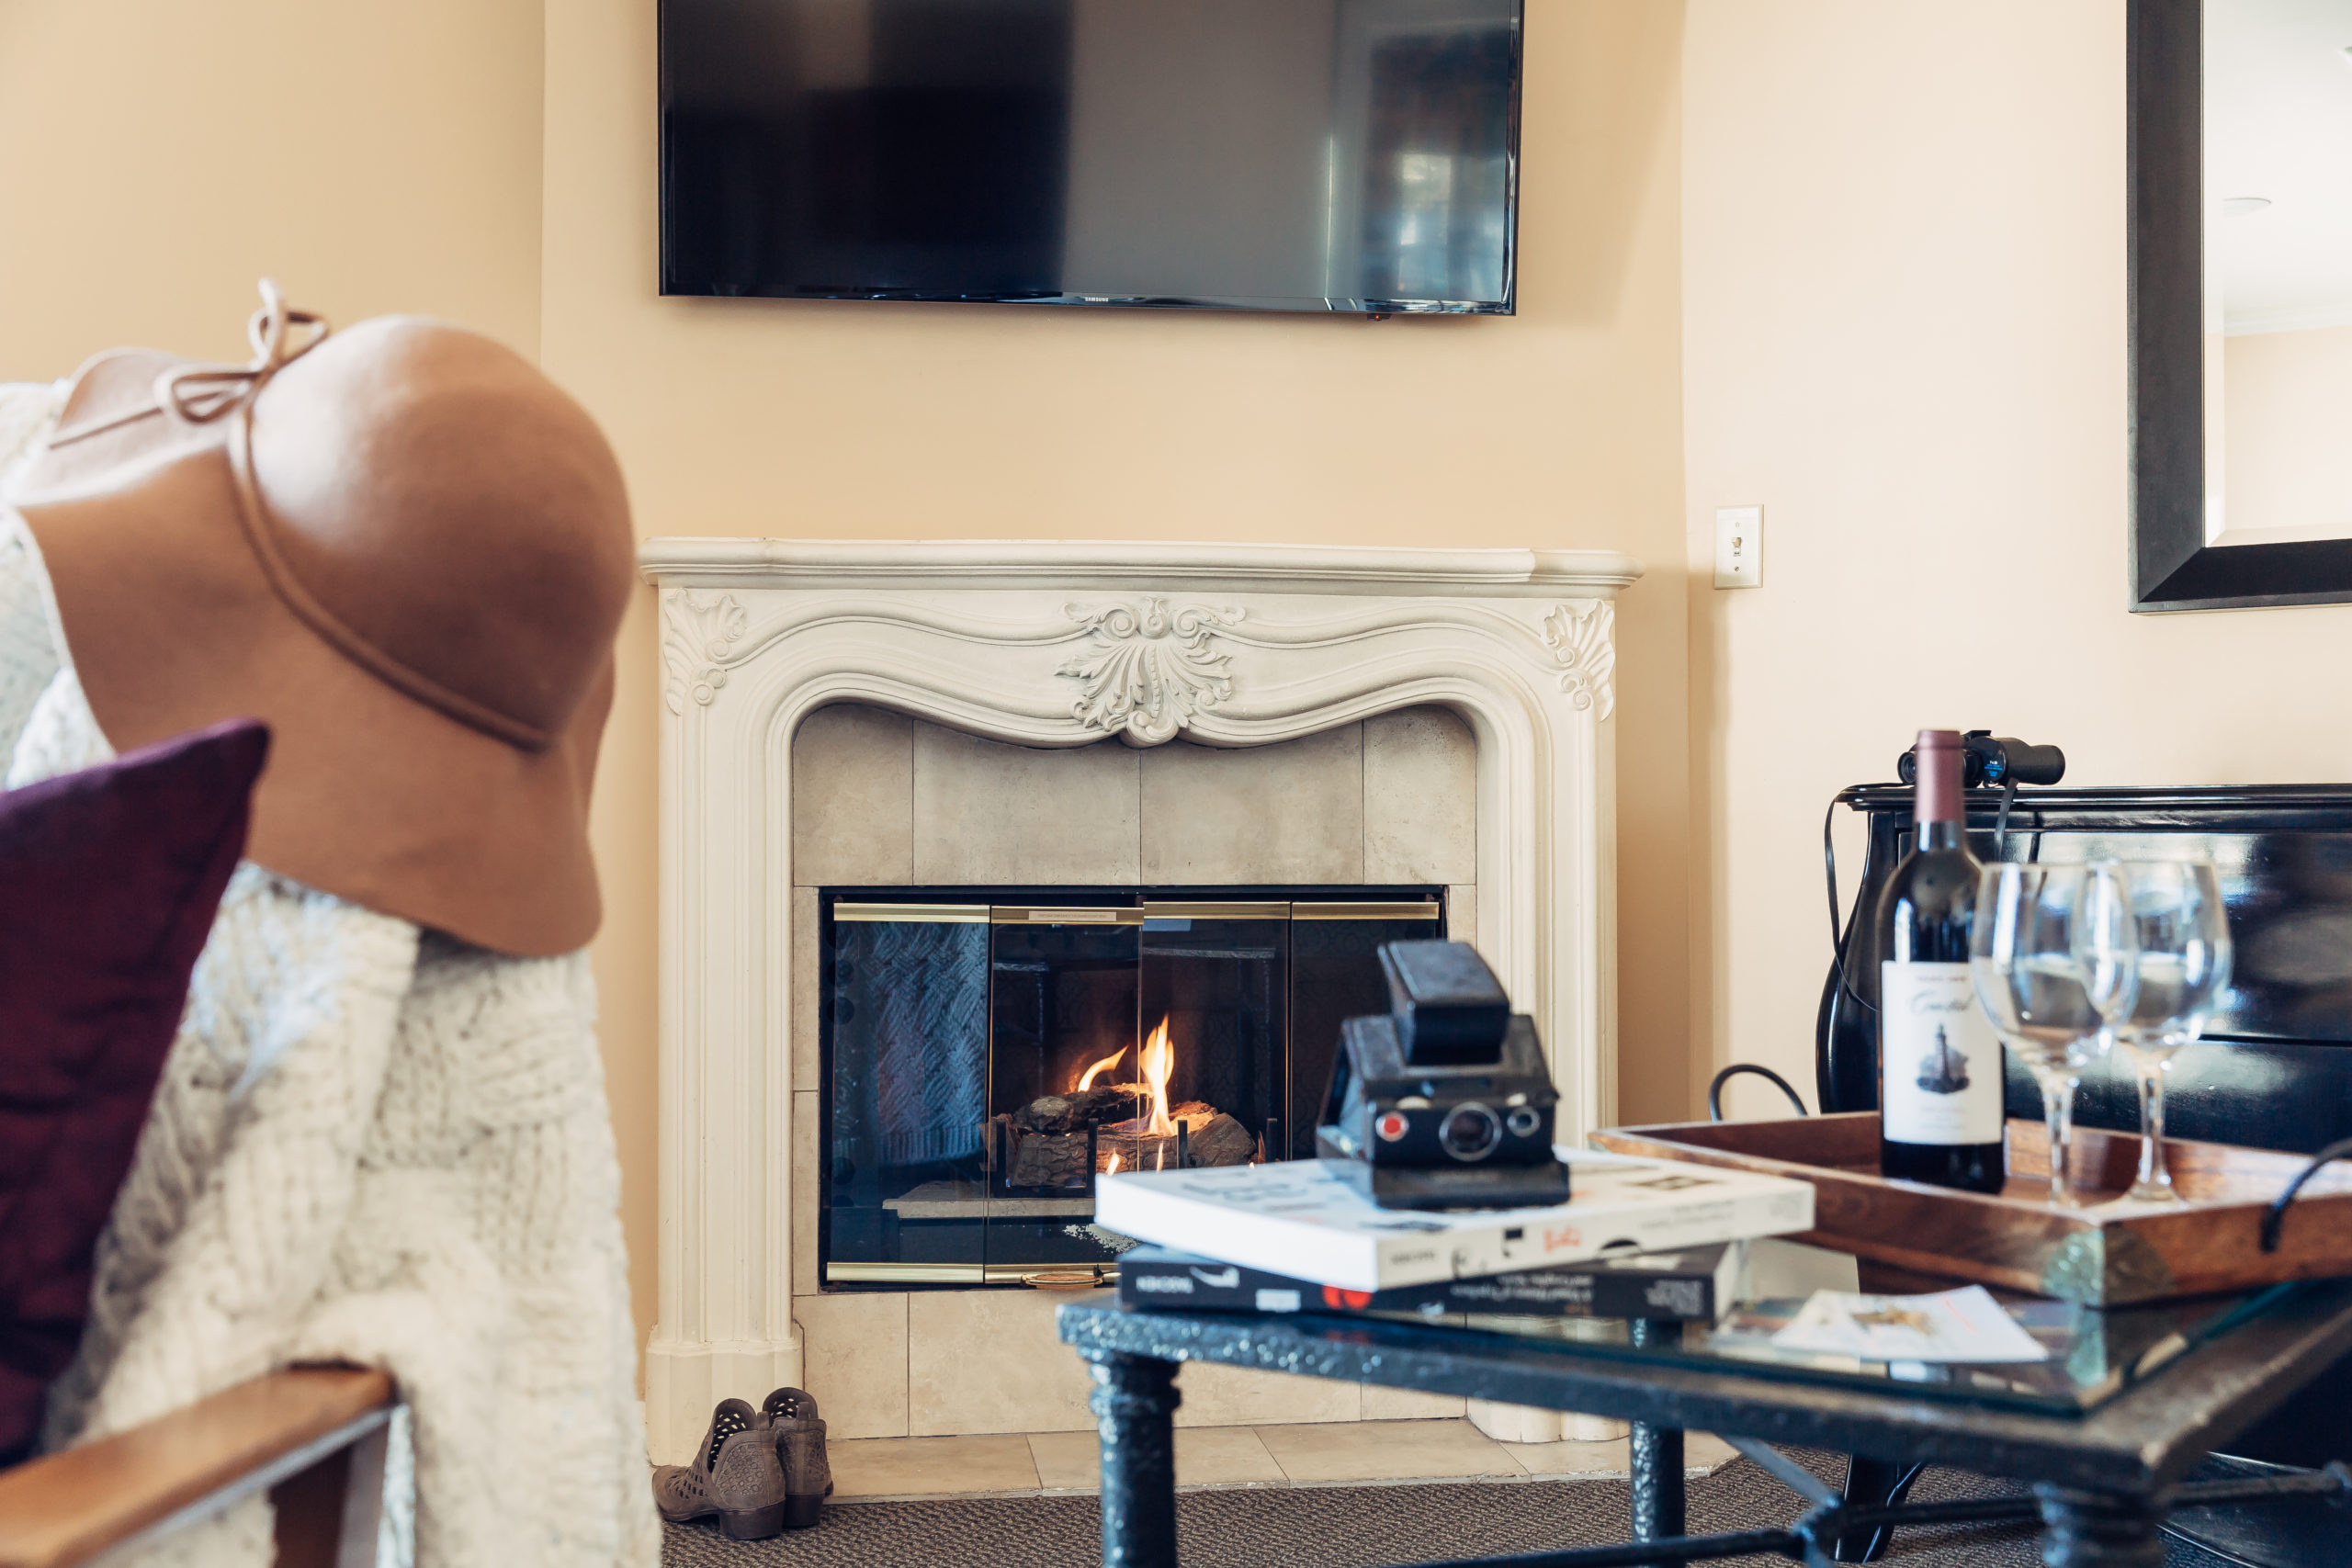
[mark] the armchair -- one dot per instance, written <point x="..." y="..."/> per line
<point x="312" y="1437"/>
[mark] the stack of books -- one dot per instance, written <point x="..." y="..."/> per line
<point x="1640" y="1239"/>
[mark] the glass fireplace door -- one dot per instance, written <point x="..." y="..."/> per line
<point x="1062" y="1077"/>
<point x="907" y="1021"/>
<point x="1334" y="975"/>
<point x="985" y="1060"/>
<point x="1215" y="985"/>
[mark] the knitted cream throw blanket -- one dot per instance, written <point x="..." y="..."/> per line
<point x="372" y="1143"/>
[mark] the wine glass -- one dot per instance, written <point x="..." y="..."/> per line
<point x="2183" y="934"/>
<point x="2052" y="952"/>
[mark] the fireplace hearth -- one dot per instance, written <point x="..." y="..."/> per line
<point x="988" y="1052"/>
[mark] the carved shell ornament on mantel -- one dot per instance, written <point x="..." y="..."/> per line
<point x="1579" y="632"/>
<point x="1149" y="671"/>
<point x="697" y="641"/>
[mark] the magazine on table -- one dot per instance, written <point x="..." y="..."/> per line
<point x="1295" y="1219"/>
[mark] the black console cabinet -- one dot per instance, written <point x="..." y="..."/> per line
<point x="2274" y="1069"/>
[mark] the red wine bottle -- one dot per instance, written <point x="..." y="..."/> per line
<point x="1938" y="1060"/>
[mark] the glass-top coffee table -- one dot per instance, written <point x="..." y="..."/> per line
<point x="2124" y="1402"/>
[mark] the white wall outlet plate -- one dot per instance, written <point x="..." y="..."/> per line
<point x="1739" y="547"/>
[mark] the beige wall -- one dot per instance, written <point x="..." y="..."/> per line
<point x="2289" y="424"/>
<point x="375" y="157"/>
<point x="1860" y="261"/>
<point x="1904" y="295"/>
<point x="1857" y="260"/>
<point x="881" y="421"/>
<point x="372" y="156"/>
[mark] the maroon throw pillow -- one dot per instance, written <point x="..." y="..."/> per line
<point x="108" y="882"/>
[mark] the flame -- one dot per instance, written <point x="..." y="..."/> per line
<point x="1086" y="1079"/>
<point x="1115" y="1160"/>
<point x="1159" y="1060"/>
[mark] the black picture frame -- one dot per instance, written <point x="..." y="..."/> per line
<point x="2172" y="566"/>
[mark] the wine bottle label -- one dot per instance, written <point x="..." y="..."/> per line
<point x="1940" y="1060"/>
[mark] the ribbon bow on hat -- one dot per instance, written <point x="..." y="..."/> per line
<point x="199" y="394"/>
<point x="191" y="391"/>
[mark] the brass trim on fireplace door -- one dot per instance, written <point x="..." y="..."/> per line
<point x="952" y="1273"/>
<point x="1155" y="910"/>
<point x="1416" y="911"/>
<point x="904" y="1273"/>
<point x="1099" y="915"/>
<point x="914" y="914"/>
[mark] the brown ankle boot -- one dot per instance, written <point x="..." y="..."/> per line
<point x="736" y="1474"/>
<point x="799" y="1437"/>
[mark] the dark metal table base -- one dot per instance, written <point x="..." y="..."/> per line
<point x="1654" y="1464"/>
<point x="1135" y="1404"/>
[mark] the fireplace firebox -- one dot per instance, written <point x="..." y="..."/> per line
<point x="988" y="1052"/>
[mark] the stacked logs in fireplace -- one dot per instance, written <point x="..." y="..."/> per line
<point x="1065" y="1140"/>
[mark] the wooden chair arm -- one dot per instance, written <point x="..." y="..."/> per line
<point x="66" y="1508"/>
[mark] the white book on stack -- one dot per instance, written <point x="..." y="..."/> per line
<point x="1296" y="1218"/>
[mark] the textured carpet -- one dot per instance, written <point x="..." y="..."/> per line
<point x="1334" y="1527"/>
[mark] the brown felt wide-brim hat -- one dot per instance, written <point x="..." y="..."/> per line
<point x="173" y="624"/>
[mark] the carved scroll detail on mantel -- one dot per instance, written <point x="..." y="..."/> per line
<point x="698" y="639"/>
<point x="1580" y="634"/>
<point x="1150" y="671"/>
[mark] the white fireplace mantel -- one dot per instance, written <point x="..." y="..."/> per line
<point x="1062" y="645"/>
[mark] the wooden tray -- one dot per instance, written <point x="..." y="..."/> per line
<point x="2101" y="1254"/>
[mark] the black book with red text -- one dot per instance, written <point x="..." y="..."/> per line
<point x="1694" y="1284"/>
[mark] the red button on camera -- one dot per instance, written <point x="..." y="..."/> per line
<point x="1391" y="1126"/>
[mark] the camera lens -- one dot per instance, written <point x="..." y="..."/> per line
<point x="1470" y="1133"/>
<point x="1525" y="1120"/>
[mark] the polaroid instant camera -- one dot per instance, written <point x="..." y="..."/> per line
<point x="1445" y="1103"/>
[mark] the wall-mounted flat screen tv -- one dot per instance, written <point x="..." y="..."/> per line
<point x="1345" y="156"/>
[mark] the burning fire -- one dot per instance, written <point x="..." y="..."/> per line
<point x="1159" y="1060"/>
<point x="1086" y="1079"/>
<point x="1115" y="1166"/>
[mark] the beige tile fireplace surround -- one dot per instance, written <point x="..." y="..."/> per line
<point x="928" y="714"/>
